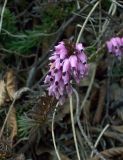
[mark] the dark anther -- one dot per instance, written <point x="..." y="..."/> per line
<point x="64" y="73"/>
<point x="84" y="63"/>
<point x="61" y="60"/>
<point x="51" y="79"/>
<point x="52" y="60"/>
<point x="56" y="83"/>
<point x="74" y="68"/>
<point x="49" y="73"/>
<point x="56" y="70"/>
<point x="66" y="84"/>
<point x="61" y="67"/>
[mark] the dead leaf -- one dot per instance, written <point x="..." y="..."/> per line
<point x="12" y="124"/>
<point x="10" y="81"/>
<point x="2" y="93"/>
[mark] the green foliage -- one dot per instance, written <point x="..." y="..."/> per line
<point x="24" y="42"/>
<point x="54" y="14"/>
<point x="8" y="25"/>
<point x="25" y="125"/>
<point x="9" y="21"/>
<point x="23" y="45"/>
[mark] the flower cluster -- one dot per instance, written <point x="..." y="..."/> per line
<point x="67" y="61"/>
<point x="115" y="46"/>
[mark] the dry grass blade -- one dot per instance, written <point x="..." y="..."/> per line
<point x="12" y="124"/>
<point x="11" y="85"/>
<point x="111" y="153"/>
<point x="2" y="93"/>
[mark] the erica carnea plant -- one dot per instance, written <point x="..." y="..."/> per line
<point x="67" y="62"/>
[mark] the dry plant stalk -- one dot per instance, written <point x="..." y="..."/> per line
<point x="100" y="106"/>
<point x="11" y="84"/>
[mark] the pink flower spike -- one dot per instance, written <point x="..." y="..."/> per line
<point x="66" y="78"/>
<point x="86" y="68"/>
<point x="118" y="40"/>
<point x="79" y="47"/>
<point x="115" y="46"/>
<point x="122" y="41"/>
<point x="53" y="57"/>
<point x="61" y="100"/>
<point x="51" y="90"/>
<point x="76" y="77"/>
<point x="121" y="47"/>
<point x="82" y="57"/>
<point x="57" y="95"/>
<point x="73" y="61"/>
<point x="47" y="79"/>
<point x="114" y="43"/>
<point x="57" y="63"/>
<point x="59" y="46"/>
<point x="116" y="49"/>
<point x="69" y="89"/>
<point x="66" y="65"/>
<point x="109" y="46"/>
<point x="68" y="61"/>
<point x="58" y="76"/>
<point x="63" y="53"/>
<point x="83" y="69"/>
<point x="61" y="87"/>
